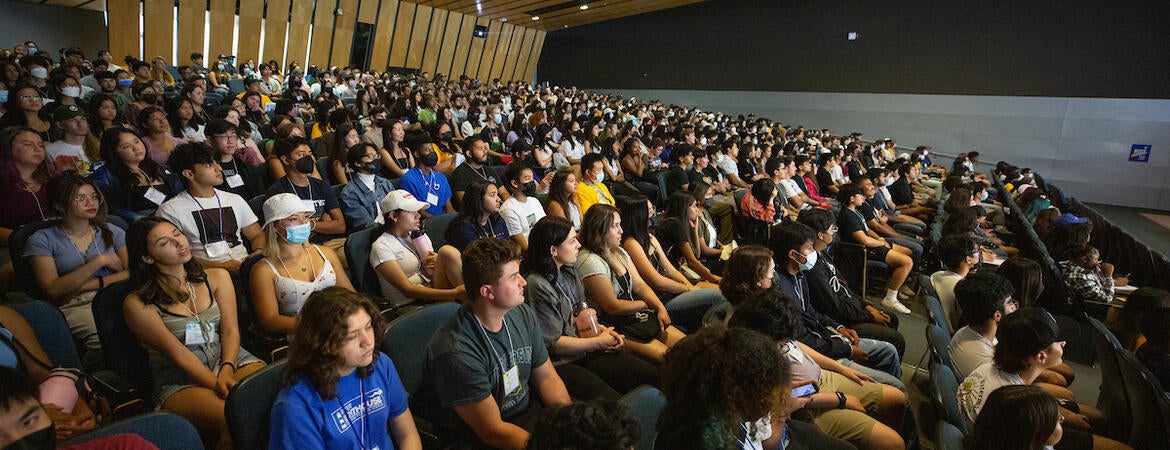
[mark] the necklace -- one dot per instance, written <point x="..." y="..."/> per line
<point x="311" y="269"/>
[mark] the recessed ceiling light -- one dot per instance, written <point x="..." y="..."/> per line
<point x="503" y="19"/>
<point x="535" y="17"/>
<point x="584" y="7"/>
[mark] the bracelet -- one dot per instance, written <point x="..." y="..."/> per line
<point x="840" y="400"/>
<point x="228" y="363"/>
<point x="101" y="282"/>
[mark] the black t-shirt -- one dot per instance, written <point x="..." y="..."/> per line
<point x="824" y="180"/>
<point x="848" y="222"/>
<point x="713" y="173"/>
<point x="694" y="175"/>
<point x="320" y="194"/>
<point x="464" y="175"/>
<point x="676" y="178"/>
<point x="901" y="192"/>
<point x="867" y="211"/>
<point x="830" y="294"/>
<point x="248" y="176"/>
<point x="747" y="170"/>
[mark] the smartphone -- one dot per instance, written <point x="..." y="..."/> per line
<point x="806" y="390"/>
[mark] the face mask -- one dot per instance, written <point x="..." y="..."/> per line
<point x="219" y="66"/>
<point x="429" y="159"/>
<point x="352" y="83"/>
<point x="703" y="141"/>
<point x="371" y="167"/>
<point x="412" y="84"/>
<point x="810" y="261"/>
<point x="983" y="197"/>
<point x="125" y="83"/>
<point x="32" y="50"/>
<point x="498" y="118"/>
<point x="482" y="118"/>
<point x="41" y="440"/>
<point x="297" y="234"/>
<point x="71" y="91"/>
<point x="3" y="96"/>
<point x="305" y="164"/>
<point x="247" y="71"/>
<point x="530" y="188"/>
<point x="39" y="72"/>
<point x="448" y="135"/>
<point x="708" y="202"/>
<point x="149" y="98"/>
<point x="890" y="182"/>
<point x="599" y="177"/>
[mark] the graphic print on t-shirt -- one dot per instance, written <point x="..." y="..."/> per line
<point x="208" y="222"/>
<point x="354" y="410"/>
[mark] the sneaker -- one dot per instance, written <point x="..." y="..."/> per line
<point x="905" y="293"/>
<point x="895" y="305"/>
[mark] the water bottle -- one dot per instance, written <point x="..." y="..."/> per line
<point x="422" y="242"/>
<point x="586" y="321"/>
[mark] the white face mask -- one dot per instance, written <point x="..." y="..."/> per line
<point x="703" y="141"/>
<point x="71" y="91"/>
<point x="39" y="72"/>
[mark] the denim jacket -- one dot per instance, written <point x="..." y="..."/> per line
<point x="359" y="205"/>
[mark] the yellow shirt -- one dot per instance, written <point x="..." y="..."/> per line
<point x="589" y="195"/>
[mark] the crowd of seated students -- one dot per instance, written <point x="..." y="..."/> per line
<point x="569" y="179"/>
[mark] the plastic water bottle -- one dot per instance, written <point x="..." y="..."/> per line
<point x="586" y="321"/>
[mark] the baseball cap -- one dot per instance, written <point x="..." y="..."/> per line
<point x="1034" y="329"/>
<point x="281" y="206"/>
<point x="402" y="200"/>
<point x="66" y="112"/>
<point x="1067" y="219"/>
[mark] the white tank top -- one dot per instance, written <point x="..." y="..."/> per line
<point x="292" y="293"/>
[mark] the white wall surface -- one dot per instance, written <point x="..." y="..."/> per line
<point x="1082" y="144"/>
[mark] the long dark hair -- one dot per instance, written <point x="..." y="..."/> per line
<point x="550" y="231"/>
<point x="472" y="207"/>
<point x="321" y="332"/>
<point x="635" y="213"/>
<point x="10" y="178"/>
<point x="95" y="103"/>
<point x="64" y="188"/>
<point x="340" y="150"/>
<point x="145" y="278"/>
<point x="1015" y="417"/>
<point x="557" y="192"/>
<point x="173" y="116"/>
<point x="109" y="152"/>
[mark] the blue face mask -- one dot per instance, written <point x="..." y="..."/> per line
<point x="297" y="234"/>
<point x="983" y="198"/>
<point x="125" y="83"/>
<point x="599" y="177"/>
<point x="3" y="96"/>
<point x="810" y="261"/>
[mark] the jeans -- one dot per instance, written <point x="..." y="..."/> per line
<point x="883" y="359"/>
<point x="688" y="308"/>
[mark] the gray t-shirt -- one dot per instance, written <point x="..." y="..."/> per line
<point x="969" y="350"/>
<point x="466" y="362"/>
<point x="53" y="242"/>
<point x="589" y="264"/>
<point x="554" y="301"/>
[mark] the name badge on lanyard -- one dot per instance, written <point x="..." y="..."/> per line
<point x="235" y="181"/>
<point x="511" y="380"/>
<point x="154" y="195"/>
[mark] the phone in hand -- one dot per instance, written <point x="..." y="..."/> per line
<point x="806" y="390"/>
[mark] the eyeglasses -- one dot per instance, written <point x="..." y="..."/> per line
<point x="228" y="137"/>
<point x="371" y="157"/>
<point x="82" y="198"/>
<point x="31" y="98"/>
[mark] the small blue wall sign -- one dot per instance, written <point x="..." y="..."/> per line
<point x="1140" y="153"/>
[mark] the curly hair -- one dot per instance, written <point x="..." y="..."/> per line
<point x="1017" y="417"/>
<point x="750" y="264"/>
<point x="770" y="313"/>
<point x="321" y="332"/>
<point x="585" y="426"/>
<point x="714" y="381"/>
<point x="980" y="295"/>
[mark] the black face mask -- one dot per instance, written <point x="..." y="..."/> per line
<point x="530" y="188"/>
<point x="149" y="98"/>
<point x="430" y="159"/>
<point x="45" y="439"/>
<point x="371" y="167"/>
<point x="305" y="164"/>
<point x="448" y="135"/>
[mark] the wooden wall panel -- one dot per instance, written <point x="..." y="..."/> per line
<point x="474" y="50"/>
<point x="535" y="57"/>
<point x="322" y="33"/>
<point x="483" y="69"/>
<point x="430" y="57"/>
<point x="298" y="33"/>
<point x="192" y="18"/>
<point x="509" y="66"/>
<point x="522" y="57"/>
<point x="122" y="21"/>
<point x="343" y="32"/>
<point x="251" y="22"/>
<point x="383" y="34"/>
<point x="450" y="39"/>
<point x="159" y="29"/>
<point x="275" y="28"/>
<point x="368" y="12"/>
<point x="462" y="47"/>
<point x="418" y="36"/>
<point x="501" y="56"/>
<point x="223" y="25"/>
<point x="402" y="26"/>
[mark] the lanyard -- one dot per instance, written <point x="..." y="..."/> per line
<point x="431" y="185"/>
<point x="202" y="225"/>
<point x="365" y="416"/>
<point x="565" y="293"/>
<point x="294" y="188"/>
<point x="488" y="341"/>
<point x="408" y="246"/>
<point x="491" y="228"/>
<point x="859" y="216"/>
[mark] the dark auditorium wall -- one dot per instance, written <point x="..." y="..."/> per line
<point x="1070" y="48"/>
<point x="52" y="27"/>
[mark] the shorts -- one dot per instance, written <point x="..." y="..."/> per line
<point x="853" y="426"/>
<point x="164" y="391"/>
<point x="876" y="253"/>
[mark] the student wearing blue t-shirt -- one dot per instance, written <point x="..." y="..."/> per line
<point x="426" y="183"/>
<point x="297" y="157"/>
<point x="343" y="392"/>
